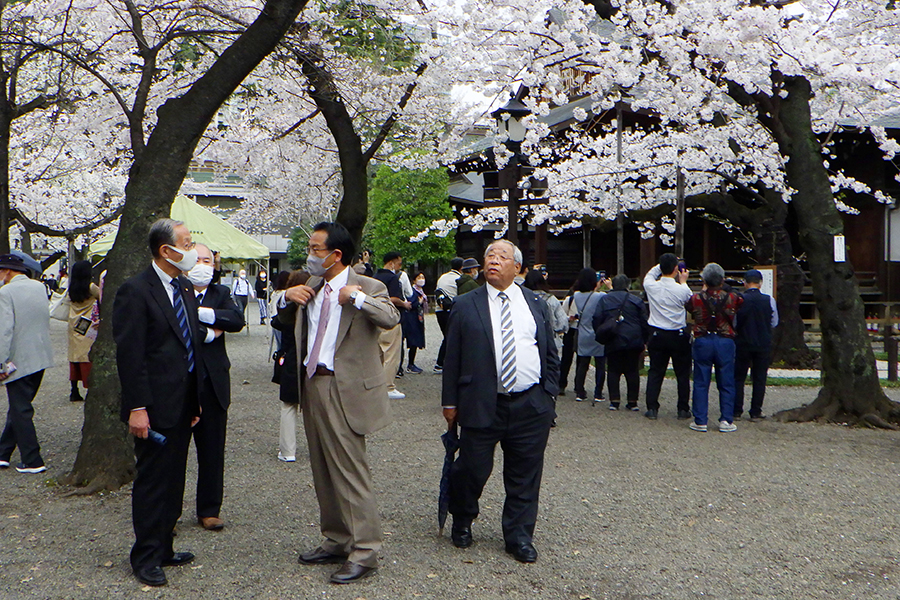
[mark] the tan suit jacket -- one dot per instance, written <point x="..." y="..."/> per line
<point x="357" y="358"/>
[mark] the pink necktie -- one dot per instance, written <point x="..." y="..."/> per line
<point x="313" y="362"/>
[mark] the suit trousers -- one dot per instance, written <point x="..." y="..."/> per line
<point x="349" y="516"/>
<point x="158" y="493"/>
<point x="522" y="434"/>
<point x="19" y="430"/>
<point x="627" y="363"/>
<point x="443" y="317"/>
<point x="391" y="343"/>
<point x="665" y="344"/>
<point x="757" y="363"/>
<point x="209" y="438"/>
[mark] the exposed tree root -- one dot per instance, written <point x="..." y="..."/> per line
<point x="879" y="413"/>
<point x="103" y="482"/>
<point x="875" y="422"/>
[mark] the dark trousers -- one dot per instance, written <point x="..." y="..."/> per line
<point x="443" y="316"/>
<point x="757" y="363"/>
<point x="568" y="354"/>
<point x="209" y="438"/>
<point x="241" y="301"/>
<point x="581" y="368"/>
<point x="158" y="492"/>
<point x="627" y="363"/>
<point x="667" y="344"/>
<point x="19" y="430"/>
<point x="522" y="434"/>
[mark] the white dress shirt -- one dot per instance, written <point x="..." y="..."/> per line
<point x="528" y="358"/>
<point x="314" y="309"/>
<point x="667" y="298"/>
<point x="167" y="283"/>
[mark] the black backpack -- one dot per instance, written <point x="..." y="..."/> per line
<point x="443" y="299"/>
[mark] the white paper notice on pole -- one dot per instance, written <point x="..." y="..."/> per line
<point x="840" y="249"/>
<point x="767" y="285"/>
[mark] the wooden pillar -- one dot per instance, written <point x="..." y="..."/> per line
<point x="679" y="214"/>
<point x="540" y="244"/>
<point x="648" y="256"/>
<point x="586" y="245"/>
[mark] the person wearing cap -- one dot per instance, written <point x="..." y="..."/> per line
<point x="754" y="322"/>
<point x="25" y="352"/>
<point x="467" y="281"/>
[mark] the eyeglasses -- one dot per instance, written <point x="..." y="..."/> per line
<point x="502" y="257"/>
<point x="314" y="250"/>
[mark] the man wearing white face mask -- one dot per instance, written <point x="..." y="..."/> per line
<point x="158" y="354"/>
<point x="241" y="290"/>
<point x="220" y="314"/>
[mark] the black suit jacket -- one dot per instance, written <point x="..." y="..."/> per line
<point x="215" y="358"/>
<point x="470" y="368"/>
<point x="151" y="355"/>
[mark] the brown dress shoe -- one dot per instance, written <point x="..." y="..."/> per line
<point x="212" y="523"/>
<point x="351" y="571"/>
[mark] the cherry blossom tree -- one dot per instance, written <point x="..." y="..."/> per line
<point x="745" y="94"/>
<point x="166" y="68"/>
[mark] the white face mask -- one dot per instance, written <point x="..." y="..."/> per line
<point x="420" y="282"/>
<point x="188" y="258"/>
<point x="201" y="274"/>
<point x="242" y="275"/>
<point x="316" y="265"/>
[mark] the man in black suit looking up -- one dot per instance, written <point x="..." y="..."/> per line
<point x="501" y="373"/>
<point x="220" y="314"/>
<point x="158" y="354"/>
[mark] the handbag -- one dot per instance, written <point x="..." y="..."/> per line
<point x="609" y="328"/>
<point x="59" y="306"/>
<point x="278" y="358"/>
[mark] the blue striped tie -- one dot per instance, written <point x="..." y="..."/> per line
<point x="181" y="315"/>
<point x="508" y="352"/>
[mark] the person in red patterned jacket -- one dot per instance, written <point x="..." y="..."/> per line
<point x="713" y="311"/>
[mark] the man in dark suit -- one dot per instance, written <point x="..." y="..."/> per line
<point x="501" y="373"/>
<point x="158" y="354"/>
<point x="220" y="314"/>
<point x="343" y="397"/>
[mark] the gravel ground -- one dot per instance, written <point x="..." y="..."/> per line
<point x="630" y="508"/>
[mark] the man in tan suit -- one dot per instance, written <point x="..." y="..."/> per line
<point x="343" y="397"/>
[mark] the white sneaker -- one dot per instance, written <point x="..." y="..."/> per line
<point x="700" y="428"/>
<point x="284" y="458"/>
<point x="726" y="427"/>
<point x="4" y="464"/>
<point x="396" y="395"/>
<point x="21" y="468"/>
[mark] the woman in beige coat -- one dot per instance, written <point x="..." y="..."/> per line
<point x="84" y="319"/>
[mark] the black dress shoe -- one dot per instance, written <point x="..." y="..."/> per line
<point x="461" y="534"/>
<point x="684" y="414"/>
<point x="320" y="557"/>
<point x="652" y="414"/>
<point x="153" y="576"/>
<point x="178" y="559"/>
<point x="522" y="552"/>
<point x="350" y="572"/>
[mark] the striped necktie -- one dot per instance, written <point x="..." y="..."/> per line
<point x="508" y="352"/>
<point x="181" y="317"/>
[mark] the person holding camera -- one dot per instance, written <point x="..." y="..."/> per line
<point x="667" y="292"/>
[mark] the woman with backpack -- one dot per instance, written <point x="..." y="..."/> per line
<point x="630" y="333"/>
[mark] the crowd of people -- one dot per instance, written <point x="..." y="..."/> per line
<point x="508" y="347"/>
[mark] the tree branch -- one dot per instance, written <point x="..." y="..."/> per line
<point x="33" y="227"/>
<point x="389" y="122"/>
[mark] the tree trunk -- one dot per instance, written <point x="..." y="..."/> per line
<point x="5" y="125"/>
<point x="105" y="458"/>
<point x="354" y="208"/>
<point x="850" y="386"/>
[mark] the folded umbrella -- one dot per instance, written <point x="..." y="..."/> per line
<point x="451" y="445"/>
